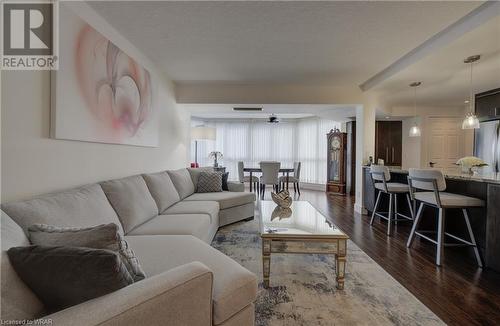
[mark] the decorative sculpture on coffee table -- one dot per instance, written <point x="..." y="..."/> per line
<point x="284" y="201"/>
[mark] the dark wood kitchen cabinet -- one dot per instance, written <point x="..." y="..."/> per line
<point x="488" y="105"/>
<point x="389" y="142"/>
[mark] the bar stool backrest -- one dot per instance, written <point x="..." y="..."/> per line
<point x="427" y="179"/>
<point x="296" y="170"/>
<point x="380" y="173"/>
<point x="241" y="176"/>
<point x="270" y="172"/>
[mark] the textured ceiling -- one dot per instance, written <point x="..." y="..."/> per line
<point x="285" y="111"/>
<point x="337" y="43"/>
<point x="445" y="78"/>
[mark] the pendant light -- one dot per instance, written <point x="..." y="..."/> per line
<point x="415" y="129"/>
<point x="471" y="121"/>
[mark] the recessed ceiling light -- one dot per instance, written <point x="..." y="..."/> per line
<point x="466" y="101"/>
<point x="387" y="117"/>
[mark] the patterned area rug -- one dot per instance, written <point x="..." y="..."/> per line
<point x="302" y="287"/>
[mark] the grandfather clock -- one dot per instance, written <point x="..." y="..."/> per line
<point x="336" y="161"/>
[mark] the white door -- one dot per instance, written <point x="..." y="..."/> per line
<point x="445" y="142"/>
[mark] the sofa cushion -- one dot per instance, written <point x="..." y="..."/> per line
<point x="226" y="199"/>
<point x="449" y="199"/>
<point x="196" y="207"/>
<point x="80" y="207"/>
<point x="131" y="199"/>
<point x="197" y="225"/>
<point x="18" y="301"/>
<point x="163" y="190"/>
<point x="195" y="173"/>
<point x="66" y="276"/>
<point x="234" y="286"/>
<point x="104" y="236"/>
<point x="182" y="182"/>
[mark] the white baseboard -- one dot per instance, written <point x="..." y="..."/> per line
<point x="360" y="209"/>
<point x="312" y="186"/>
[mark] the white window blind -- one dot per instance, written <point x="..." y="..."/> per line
<point x="302" y="140"/>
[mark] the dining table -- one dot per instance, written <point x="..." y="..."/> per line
<point x="252" y="170"/>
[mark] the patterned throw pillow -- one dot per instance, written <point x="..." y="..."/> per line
<point x="209" y="182"/>
<point x="104" y="236"/>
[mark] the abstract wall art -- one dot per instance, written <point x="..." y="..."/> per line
<point x="99" y="93"/>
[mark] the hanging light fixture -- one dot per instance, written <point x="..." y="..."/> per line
<point x="471" y="121"/>
<point x="415" y="129"/>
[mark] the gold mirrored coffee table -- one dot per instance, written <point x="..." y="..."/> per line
<point x="301" y="229"/>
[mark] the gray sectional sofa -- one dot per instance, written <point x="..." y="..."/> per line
<point x="169" y="226"/>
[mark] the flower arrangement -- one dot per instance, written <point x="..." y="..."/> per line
<point x="215" y="155"/>
<point x="469" y="162"/>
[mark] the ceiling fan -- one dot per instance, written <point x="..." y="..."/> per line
<point x="273" y="119"/>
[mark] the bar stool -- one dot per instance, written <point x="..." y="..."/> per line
<point x="393" y="189"/>
<point x="433" y="183"/>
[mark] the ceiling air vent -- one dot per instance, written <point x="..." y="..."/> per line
<point x="248" y="109"/>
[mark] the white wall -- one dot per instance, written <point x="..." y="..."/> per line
<point x="412" y="146"/>
<point x="32" y="163"/>
<point x="365" y="146"/>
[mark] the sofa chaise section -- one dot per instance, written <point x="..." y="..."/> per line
<point x="197" y="225"/>
<point x="234" y="206"/>
<point x="180" y="296"/>
<point x="234" y="288"/>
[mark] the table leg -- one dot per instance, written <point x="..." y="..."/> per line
<point x="340" y="261"/>
<point x="340" y="271"/>
<point x="266" y="261"/>
<point x="287" y="179"/>
<point x="251" y="181"/>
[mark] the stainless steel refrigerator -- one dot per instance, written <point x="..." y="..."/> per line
<point x="487" y="145"/>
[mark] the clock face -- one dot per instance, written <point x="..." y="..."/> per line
<point x="335" y="143"/>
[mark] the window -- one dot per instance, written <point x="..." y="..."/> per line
<point x="302" y="140"/>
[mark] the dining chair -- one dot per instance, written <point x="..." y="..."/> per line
<point x="432" y="184"/>
<point x="295" y="179"/>
<point x="270" y="176"/>
<point x="242" y="178"/>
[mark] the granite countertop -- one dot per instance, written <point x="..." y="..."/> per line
<point x="487" y="178"/>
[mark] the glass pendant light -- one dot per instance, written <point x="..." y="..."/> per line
<point x="415" y="129"/>
<point x="471" y="121"/>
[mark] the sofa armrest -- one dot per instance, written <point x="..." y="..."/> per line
<point x="235" y="186"/>
<point x="180" y="296"/>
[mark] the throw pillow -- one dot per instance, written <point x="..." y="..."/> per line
<point x="104" y="236"/>
<point x="209" y="182"/>
<point x="224" y="181"/>
<point x="65" y="276"/>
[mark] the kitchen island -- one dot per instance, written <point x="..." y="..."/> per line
<point x="485" y="221"/>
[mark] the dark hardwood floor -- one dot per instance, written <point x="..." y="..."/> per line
<point x="459" y="292"/>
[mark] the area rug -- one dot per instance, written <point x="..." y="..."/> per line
<point x="302" y="287"/>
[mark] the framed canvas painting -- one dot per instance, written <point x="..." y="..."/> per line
<point x="100" y="94"/>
